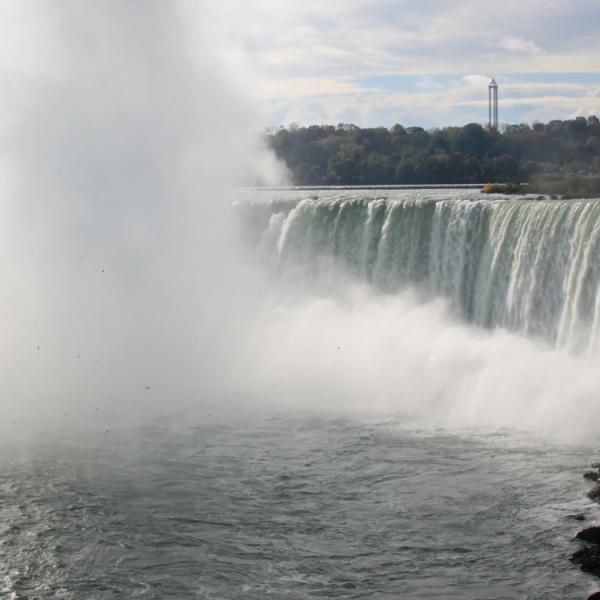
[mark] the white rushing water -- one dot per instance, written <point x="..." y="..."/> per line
<point x="527" y="265"/>
<point x="442" y="305"/>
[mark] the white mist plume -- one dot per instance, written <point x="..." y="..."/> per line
<point x="394" y="355"/>
<point x="117" y="153"/>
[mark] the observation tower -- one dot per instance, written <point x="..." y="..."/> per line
<point x="493" y="105"/>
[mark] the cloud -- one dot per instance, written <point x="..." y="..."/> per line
<point x="516" y="44"/>
<point x="444" y="102"/>
<point x="318" y="54"/>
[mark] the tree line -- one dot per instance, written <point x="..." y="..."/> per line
<point x="349" y="155"/>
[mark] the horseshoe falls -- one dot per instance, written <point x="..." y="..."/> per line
<point x="526" y="265"/>
<point x="324" y="394"/>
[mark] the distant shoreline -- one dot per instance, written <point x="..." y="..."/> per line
<point x="347" y="155"/>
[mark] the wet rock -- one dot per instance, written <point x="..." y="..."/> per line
<point x="591" y="475"/>
<point x="594" y="596"/>
<point x="594" y="493"/>
<point x="590" y="534"/>
<point x="588" y="559"/>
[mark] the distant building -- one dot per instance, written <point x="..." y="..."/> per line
<point x="493" y="104"/>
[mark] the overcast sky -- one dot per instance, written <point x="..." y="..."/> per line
<point x="419" y="62"/>
<point x="369" y="62"/>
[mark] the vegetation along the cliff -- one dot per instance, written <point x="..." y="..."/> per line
<point x="543" y="154"/>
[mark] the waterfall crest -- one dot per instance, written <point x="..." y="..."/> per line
<point x="526" y="265"/>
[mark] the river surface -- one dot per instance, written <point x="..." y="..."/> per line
<point x="289" y="504"/>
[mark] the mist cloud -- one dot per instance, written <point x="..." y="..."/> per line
<point x="117" y="160"/>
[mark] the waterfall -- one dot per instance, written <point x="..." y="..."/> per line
<point x="527" y="265"/>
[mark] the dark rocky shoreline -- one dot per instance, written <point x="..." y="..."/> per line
<point x="587" y="557"/>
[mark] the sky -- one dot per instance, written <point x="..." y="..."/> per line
<point x="425" y="62"/>
<point x="369" y="62"/>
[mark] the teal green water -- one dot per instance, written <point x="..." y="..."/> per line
<point x="531" y="266"/>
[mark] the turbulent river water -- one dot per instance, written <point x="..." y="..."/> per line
<point x="289" y="504"/>
<point x="393" y="448"/>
